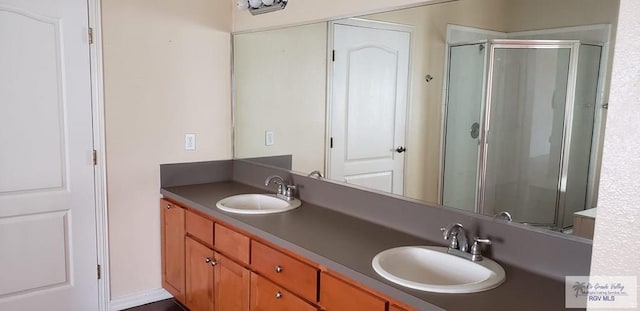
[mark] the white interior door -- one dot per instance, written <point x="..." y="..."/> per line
<point x="47" y="206"/>
<point x="369" y="106"/>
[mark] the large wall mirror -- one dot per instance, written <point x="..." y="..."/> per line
<point x="485" y="105"/>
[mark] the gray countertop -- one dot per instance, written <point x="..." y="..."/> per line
<point x="347" y="245"/>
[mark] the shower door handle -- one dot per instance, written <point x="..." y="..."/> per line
<point x="475" y="130"/>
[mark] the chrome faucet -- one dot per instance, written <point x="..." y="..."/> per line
<point x="459" y="244"/>
<point x="504" y="215"/>
<point x="285" y="191"/>
<point x="458" y="236"/>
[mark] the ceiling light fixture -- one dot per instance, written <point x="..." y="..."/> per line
<point x="257" y="7"/>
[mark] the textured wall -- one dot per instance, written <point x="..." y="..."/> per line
<point x="615" y="247"/>
<point x="166" y="73"/>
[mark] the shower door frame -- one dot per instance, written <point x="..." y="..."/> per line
<point x="485" y="44"/>
<point x="492" y="45"/>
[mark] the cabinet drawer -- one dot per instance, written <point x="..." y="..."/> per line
<point x="337" y="295"/>
<point x="232" y="244"/>
<point x="285" y="270"/>
<point x="267" y="296"/>
<point x="200" y="228"/>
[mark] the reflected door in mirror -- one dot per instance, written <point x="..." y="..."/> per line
<point x="369" y="103"/>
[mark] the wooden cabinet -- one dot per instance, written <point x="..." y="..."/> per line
<point x="232" y="283"/>
<point x="200" y="261"/>
<point x="232" y="244"/>
<point x="210" y="266"/>
<point x="173" y="249"/>
<point x="286" y="270"/>
<point x="338" y="295"/>
<point x="200" y="228"/>
<point x="396" y="308"/>
<point x="267" y="296"/>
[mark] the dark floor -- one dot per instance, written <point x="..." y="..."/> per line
<point x="162" y="305"/>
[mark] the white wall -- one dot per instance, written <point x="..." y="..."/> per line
<point x="307" y="11"/>
<point x="617" y="232"/>
<point x="280" y="85"/>
<point x="166" y="73"/>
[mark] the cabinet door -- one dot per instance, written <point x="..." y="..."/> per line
<point x="232" y="283"/>
<point x="200" y="268"/>
<point x="267" y="296"/>
<point x="337" y="295"/>
<point x="173" y="269"/>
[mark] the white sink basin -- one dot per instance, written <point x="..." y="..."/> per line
<point x="256" y="204"/>
<point x="430" y="268"/>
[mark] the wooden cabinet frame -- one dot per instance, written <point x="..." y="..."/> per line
<point x="233" y="274"/>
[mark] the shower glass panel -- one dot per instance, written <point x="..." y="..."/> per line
<point x="525" y="132"/>
<point x="584" y="109"/>
<point x="465" y="97"/>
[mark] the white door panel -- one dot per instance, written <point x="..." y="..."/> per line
<point x="380" y="180"/>
<point x="369" y="106"/>
<point x="47" y="200"/>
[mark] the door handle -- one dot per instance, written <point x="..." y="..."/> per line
<point x="401" y="149"/>
<point x="475" y="130"/>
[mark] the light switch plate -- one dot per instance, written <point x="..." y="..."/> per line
<point x="268" y="138"/>
<point x="190" y="142"/>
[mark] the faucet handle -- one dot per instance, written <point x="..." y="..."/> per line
<point x="290" y="191"/>
<point x="477" y="240"/>
<point x="450" y="234"/>
<point x="476" y="255"/>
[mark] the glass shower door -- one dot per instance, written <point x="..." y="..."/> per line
<point x="465" y="98"/>
<point x="524" y="145"/>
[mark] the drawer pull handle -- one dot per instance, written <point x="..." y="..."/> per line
<point x="214" y="263"/>
<point x="169" y="206"/>
<point x="207" y="260"/>
<point x="278" y="295"/>
<point x="279" y="269"/>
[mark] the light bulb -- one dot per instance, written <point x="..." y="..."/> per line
<point x="267" y="2"/>
<point x="242" y="4"/>
<point x="255" y="3"/>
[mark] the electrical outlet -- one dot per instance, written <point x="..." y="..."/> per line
<point x="268" y="138"/>
<point x="190" y="142"/>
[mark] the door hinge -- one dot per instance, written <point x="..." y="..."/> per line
<point x="90" y="35"/>
<point x="95" y="157"/>
<point x="331" y="142"/>
<point x="333" y="55"/>
<point x="99" y="272"/>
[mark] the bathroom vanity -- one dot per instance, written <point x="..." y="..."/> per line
<point x="318" y="257"/>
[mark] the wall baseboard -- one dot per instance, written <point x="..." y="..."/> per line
<point x="139" y="299"/>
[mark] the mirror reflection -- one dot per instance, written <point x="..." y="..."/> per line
<point x="492" y="106"/>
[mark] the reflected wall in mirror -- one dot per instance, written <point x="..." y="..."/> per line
<point x="483" y="105"/>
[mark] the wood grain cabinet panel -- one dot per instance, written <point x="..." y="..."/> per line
<point x="232" y="284"/>
<point x="232" y="244"/>
<point x="396" y="308"/>
<point x="337" y="295"/>
<point x="267" y="296"/>
<point x="173" y="269"/>
<point x="200" y="280"/>
<point x="200" y="228"/>
<point x="285" y="270"/>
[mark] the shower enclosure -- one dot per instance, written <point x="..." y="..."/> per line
<point x="519" y="127"/>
